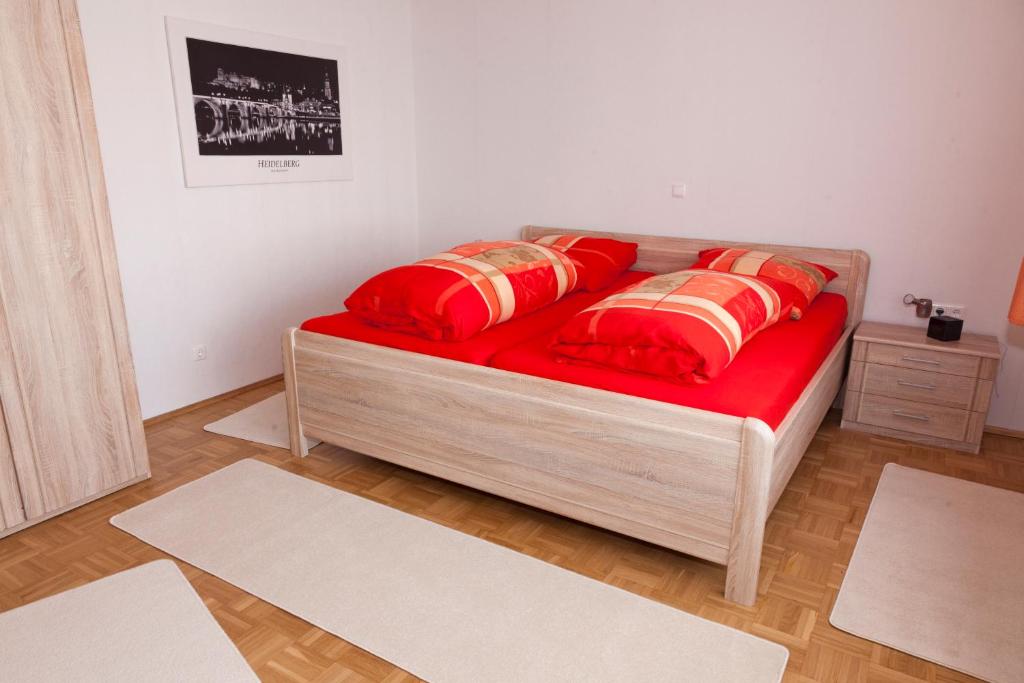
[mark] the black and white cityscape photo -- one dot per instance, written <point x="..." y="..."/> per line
<point x="249" y="101"/>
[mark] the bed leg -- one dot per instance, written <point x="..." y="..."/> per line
<point x="296" y="439"/>
<point x="750" y="514"/>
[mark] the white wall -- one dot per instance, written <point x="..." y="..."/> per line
<point x="895" y="127"/>
<point x="231" y="267"/>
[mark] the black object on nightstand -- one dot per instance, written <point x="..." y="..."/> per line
<point x="945" y="327"/>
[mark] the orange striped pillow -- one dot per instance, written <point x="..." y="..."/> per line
<point x="603" y="259"/>
<point x="686" y="325"/>
<point x="457" y="293"/>
<point x="805" y="278"/>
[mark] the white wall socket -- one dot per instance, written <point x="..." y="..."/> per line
<point x="679" y="190"/>
<point x="952" y="310"/>
<point x="199" y="352"/>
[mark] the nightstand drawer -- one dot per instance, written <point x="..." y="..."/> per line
<point x="923" y="359"/>
<point x="913" y="417"/>
<point x="954" y="391"/>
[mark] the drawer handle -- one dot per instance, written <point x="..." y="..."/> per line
<point x="914" y="359"/>
<point x="929" y="387"/>
<point x="912" y="416"/>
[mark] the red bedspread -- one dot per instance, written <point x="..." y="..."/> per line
<point x="764" y="380"/>
<point x="481" y="347"/>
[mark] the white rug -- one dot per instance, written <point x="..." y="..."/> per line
<point x="445" y="606"/>
<point x="142" y="625"/>
<point x="265" y="422"/>
<point x="938" y="572"/>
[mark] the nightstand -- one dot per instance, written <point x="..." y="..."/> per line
<point x="905" y="385"/>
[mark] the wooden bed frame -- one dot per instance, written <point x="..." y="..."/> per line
<point x="695" y="481"/>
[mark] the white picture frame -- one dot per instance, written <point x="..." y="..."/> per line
<point x="252" y="107"/>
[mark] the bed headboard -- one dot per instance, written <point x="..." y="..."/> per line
<point x="666" y="254"/>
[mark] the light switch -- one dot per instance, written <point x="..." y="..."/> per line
<point x="679" y="190"/>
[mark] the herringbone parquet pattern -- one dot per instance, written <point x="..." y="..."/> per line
<point x="810" y="538"/>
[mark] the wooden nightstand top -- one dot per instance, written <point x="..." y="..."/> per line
<point x="982" y="345"/>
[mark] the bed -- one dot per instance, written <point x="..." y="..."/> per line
<point x="696" y="481"/>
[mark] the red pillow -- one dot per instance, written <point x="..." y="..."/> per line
<point x="686" y="326"/>
<point x="603" y="259"/>
<point x="800" y="280"/>
<point x="469" y="288"/>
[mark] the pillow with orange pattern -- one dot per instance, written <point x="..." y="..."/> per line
<point x="455" y="294"/>
<point x="603" y="258"/>
<point x="686" y="326"/>
<point x="803" y="279"/>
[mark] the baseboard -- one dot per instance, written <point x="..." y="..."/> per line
<point x="157" y="419"/>
<point x="1003" y="431"/>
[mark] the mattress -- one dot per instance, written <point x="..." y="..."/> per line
<point x="763" y="381"/>
<point x="481" y="348"/>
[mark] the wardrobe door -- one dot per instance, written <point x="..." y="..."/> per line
<point x="66" y="379"/>
<point x="11" y="511"/>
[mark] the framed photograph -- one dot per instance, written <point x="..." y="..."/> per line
<point x="257" y="108"/>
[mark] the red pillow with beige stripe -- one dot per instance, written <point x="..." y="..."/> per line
<point x="455" y="294"/>
<point x="803" y="279"/>
<point x="603" y="258"/>
<point x="686" y="326"/>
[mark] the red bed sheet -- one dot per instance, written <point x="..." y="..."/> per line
<point x="481" y="348"/>
<point x="764" y="380"/>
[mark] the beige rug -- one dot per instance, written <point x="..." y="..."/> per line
<point x="443" y="605"/>
<point x="265" y="422"/>
<point x="938" y="572"/>
<point x="143" y="625"/>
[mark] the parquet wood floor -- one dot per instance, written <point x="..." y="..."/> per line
<point x="809" y="541"/>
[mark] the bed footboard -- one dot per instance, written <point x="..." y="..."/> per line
<point x="690" y="480"/>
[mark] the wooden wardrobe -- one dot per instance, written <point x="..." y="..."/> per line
<point x="71" y="429"/>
